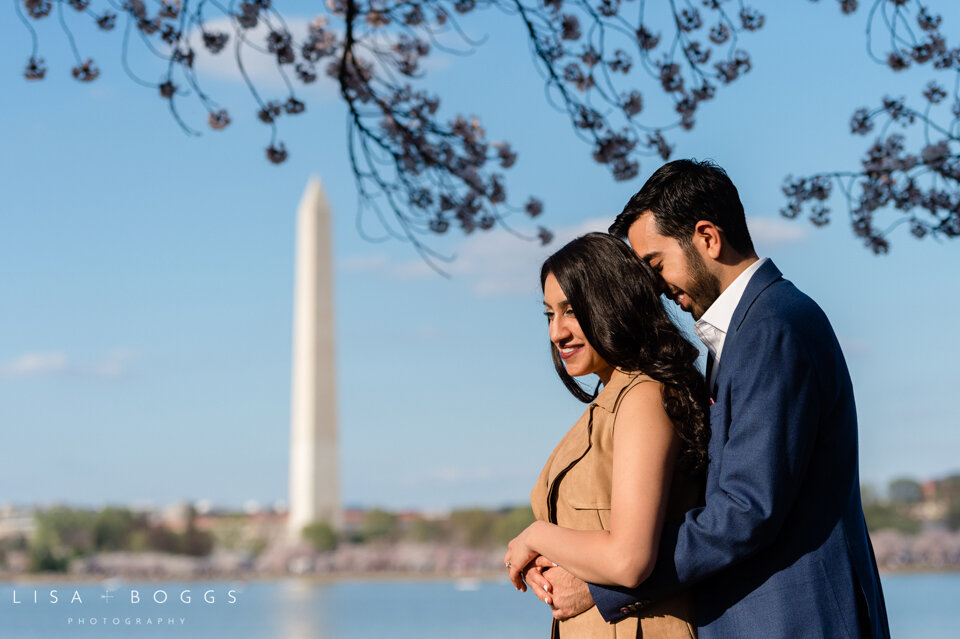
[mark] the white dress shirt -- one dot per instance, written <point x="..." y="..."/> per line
<point x="712" y="326"/>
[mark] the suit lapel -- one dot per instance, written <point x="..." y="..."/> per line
<point x="571" y="448"/>
<point x="767" y="274"/>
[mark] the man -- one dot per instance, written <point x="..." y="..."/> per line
<point x="780" y="548"/>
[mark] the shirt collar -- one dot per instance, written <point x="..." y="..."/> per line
<point x="712" y="326"/>
<point x="611" y="391"/>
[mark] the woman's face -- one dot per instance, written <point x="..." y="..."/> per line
<point x="578" y="356"/>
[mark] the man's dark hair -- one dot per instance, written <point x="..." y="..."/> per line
<point x="683" y="192"/>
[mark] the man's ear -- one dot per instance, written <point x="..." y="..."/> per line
<point x="709" y="238"/>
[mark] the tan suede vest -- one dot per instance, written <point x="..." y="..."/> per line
<point x="574" y="491"/>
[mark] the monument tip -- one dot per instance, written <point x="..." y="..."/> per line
<point x="314" y="196"/>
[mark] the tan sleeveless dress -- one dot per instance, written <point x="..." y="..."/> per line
<point x="574" y="491"/>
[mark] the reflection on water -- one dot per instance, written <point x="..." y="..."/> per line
<point x="301" y="610"/>
<point x="920" y="606"/>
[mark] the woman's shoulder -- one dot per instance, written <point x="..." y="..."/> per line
<point x="621" y="384"/>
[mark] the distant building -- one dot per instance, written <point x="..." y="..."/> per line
<point x="16" y="522"/>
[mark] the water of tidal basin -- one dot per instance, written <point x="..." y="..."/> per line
<point x="921" y="606"/>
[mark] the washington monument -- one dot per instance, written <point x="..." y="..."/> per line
<point x="314" y="471"/>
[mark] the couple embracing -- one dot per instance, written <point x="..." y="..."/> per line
<point x="683" y="505"/>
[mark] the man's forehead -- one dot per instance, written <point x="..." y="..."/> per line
<point x="645" y="238"/>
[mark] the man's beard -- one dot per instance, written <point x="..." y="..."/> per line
<point x="704" y="285"/>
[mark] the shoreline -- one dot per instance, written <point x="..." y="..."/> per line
<point x="344" y="577"/>
<point x="318" y="578"/>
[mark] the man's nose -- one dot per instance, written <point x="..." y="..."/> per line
<point x="664" y="288"/>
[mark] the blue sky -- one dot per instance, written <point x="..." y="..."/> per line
<point x="146" y="305"/>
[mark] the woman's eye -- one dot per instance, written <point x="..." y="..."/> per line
<point x="549" y="316"/>
<point x="569" y="312"/>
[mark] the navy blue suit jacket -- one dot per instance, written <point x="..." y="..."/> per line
<point x="780" y="548"/>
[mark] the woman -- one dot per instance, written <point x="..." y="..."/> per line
<point x="637" y="455"/>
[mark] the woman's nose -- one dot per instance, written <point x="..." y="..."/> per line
<point x="558" y="330"/>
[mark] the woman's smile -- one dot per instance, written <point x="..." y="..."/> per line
<point x="567" y="352"/>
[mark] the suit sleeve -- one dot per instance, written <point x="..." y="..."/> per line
<point x="774" y="415"/>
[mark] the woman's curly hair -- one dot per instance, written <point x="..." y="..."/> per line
<point x="616" y="298"/>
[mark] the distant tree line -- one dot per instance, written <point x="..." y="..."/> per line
<point x="63" y="534"/>
<point x="910" y="505"/>
<point x="471" y="528"/>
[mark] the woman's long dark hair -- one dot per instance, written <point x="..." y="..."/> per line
<point x="616" y="298"/>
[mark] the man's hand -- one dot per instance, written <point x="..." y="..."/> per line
<point x="533" y="576"/>
<point x="564" y="593"/>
